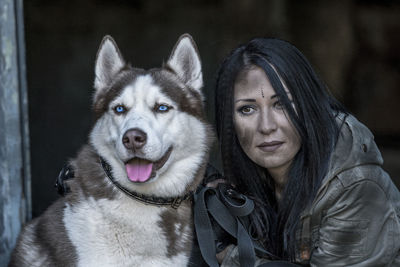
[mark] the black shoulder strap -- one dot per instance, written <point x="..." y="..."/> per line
<point x="202" y="222"/>
<point x="226" y="207"/>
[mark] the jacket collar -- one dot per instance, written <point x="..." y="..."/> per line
<point x="355" y="147"/>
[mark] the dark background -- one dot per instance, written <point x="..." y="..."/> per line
<point x="353" y="45"/>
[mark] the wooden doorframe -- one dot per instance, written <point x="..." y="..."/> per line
<point x="15" y="177"/>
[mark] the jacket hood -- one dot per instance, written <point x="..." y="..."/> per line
<point x="355" y="147"/>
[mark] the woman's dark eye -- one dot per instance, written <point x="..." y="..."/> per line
<point x="278" y="104"/>
<point x="162" y="108"/>
<point x="246" y="110"/>
<point x="120" y="109"/>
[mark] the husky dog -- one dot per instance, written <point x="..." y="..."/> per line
<point x="130" y="201"/>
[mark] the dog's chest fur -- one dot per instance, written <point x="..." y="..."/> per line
<point x="126" y="233"/>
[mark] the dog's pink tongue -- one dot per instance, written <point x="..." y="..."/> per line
<point x="139" y="170"/>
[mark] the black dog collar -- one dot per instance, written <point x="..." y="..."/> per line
<point x="150" y="200"/>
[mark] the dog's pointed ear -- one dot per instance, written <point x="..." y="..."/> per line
<point x="185" y="62"/>
<point x="108" y="62"/>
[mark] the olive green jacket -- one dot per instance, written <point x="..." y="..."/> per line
<point x="354" y="219"/>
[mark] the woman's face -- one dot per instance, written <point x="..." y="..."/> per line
<point x="264" y="131"/>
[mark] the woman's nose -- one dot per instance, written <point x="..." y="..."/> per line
<point x="267" y="122"/>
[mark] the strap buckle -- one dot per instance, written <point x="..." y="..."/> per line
<point x="177" y="202"/>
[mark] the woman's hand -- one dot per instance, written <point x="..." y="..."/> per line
<point x="221" y="255"/>
<point x="216" y="182"/>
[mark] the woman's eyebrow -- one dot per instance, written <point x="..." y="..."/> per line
<point x="246" y="100"/>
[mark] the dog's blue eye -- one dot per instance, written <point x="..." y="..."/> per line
<point x="161" y="108"/>
<point x="119" y="109"/>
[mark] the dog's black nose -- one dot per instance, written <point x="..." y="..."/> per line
<point x="134" y="139"/>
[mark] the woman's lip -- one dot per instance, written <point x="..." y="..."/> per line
<point x="270" y="146"/>
<point x="272" y="143"/>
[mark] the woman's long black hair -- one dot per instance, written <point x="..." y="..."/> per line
<point x="313" y="116"/>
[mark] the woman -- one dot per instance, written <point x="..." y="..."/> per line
<point x="313" y="171"/>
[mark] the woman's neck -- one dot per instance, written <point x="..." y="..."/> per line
<point x="280" y="178"/>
